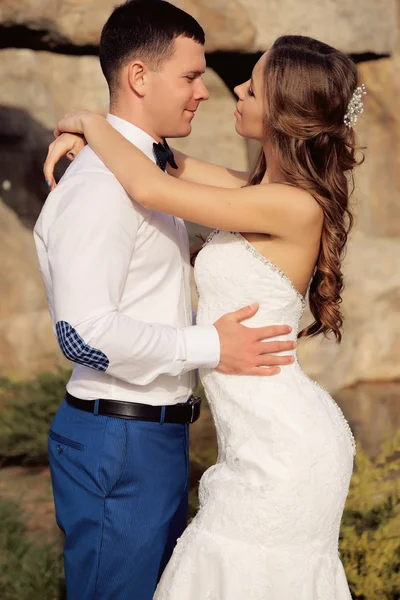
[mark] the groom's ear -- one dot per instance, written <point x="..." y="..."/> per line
<point x="137" y="72"/>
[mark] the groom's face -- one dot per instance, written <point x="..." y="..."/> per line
<point x="174" y="92"/>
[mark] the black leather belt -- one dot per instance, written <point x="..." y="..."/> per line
<point x="177" y="413"/>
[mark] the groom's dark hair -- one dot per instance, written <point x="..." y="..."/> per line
<point x="146" y="30"/>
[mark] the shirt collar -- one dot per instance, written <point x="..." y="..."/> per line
<point x="134" y="134"/>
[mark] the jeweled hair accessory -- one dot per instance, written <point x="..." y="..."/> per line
<point x="355" y="107"/>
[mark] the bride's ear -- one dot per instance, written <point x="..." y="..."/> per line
<point x="137" y="73"/>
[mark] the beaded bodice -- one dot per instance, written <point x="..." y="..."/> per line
<point x="231" y="273"/>
<point x="255" y="279"/>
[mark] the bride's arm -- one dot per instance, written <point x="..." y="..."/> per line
<point x="200" y="171"/>
<point x="189" y="168"/>
<point x="274" y="208"/>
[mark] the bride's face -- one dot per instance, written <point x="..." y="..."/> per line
<point x="250" y="109"/>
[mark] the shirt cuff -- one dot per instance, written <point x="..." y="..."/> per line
<point x="203" y="348"/>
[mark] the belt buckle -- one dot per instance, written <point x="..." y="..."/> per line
<point x="192" y="415"/>
<point x="195" y="401"/>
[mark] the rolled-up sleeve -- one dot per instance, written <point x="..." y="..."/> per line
<point x="90" y="245"/>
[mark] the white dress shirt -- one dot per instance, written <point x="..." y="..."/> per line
<point x="117" y="283"/>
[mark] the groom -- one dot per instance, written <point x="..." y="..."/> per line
<point x="117" y="282"/>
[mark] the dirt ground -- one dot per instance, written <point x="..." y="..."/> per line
<point x="30" y="489"/>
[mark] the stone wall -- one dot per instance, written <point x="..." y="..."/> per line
<point x="358" y="26"/>
<point x="27" y="343"/>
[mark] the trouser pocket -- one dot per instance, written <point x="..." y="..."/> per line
<point x="65" y="441"/>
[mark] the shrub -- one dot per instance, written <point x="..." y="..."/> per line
<point x="370" y="532"/>
<point x="27" y="409"/>
<point x="28" y="571"/>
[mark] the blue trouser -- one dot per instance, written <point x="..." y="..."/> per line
<point x="120" y="490"/>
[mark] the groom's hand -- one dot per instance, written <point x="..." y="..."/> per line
<point x="242" y="350"/>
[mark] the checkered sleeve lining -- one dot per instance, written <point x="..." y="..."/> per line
<point x="77" y="350"/>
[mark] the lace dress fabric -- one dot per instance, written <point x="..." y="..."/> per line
<point x="271" y="507"/>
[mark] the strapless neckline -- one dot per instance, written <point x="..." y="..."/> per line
<point x="243" y="240"/>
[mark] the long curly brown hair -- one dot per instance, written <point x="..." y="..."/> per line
<point x="308" y="86"/>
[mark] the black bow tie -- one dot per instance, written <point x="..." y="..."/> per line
<point x="164" y="155"/>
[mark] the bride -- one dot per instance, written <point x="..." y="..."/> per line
<point x="270" y="509"/>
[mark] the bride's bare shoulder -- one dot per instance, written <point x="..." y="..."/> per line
<point x="297" y="201"/>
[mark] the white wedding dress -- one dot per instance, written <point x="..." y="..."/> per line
<point x="270" y="509"/>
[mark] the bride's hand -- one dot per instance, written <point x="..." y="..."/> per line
<point x="69" y="144"/>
